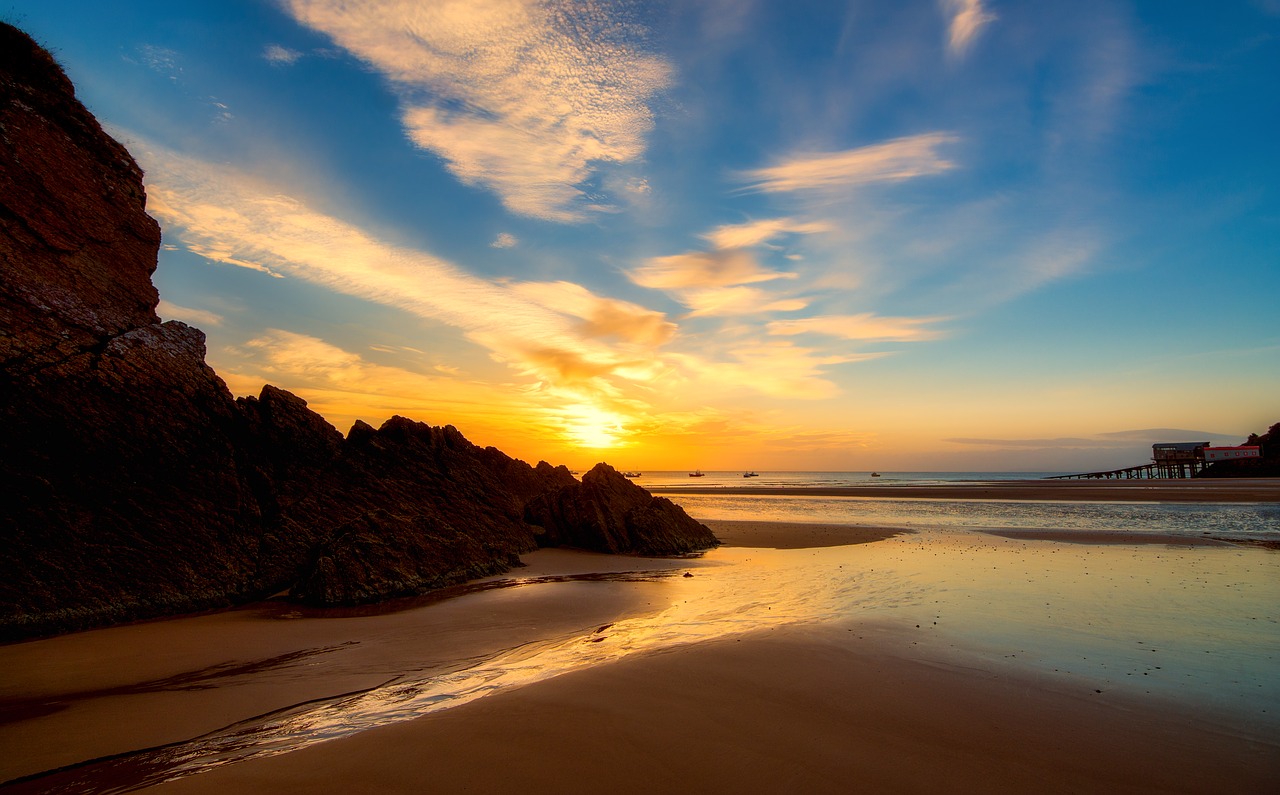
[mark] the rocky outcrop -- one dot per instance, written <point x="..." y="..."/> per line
<point x="136" y="485"/>
<point x="606" y="512"/>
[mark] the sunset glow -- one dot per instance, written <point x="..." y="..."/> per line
<point x="931" y="235"/>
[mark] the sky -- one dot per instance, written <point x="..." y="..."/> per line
<point x="947" y="235"/>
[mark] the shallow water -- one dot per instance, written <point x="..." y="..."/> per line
<point x="1260" y="521"/>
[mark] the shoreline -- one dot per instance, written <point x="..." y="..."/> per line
<point x="1136" y="490"/>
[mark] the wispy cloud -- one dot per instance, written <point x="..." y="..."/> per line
<point x="965" y="20"/>
<point x="602" y="317"/>
<point x="892" y="161"/>
<point x="161" y="60"/>
<point x="699" y="269"/>
<point x="864" y="326"/>
<point x="1117" y="440"/>
<point x="168" y="310"/>
<point x="776" y="368"/>
<point x="716" y="283"/>
<point x="528" y="99"/>
<point x="230" y="217"/>
<point x="504" y="240"/>
<point x="280" y="55"/>
<point x="755" y="233"/>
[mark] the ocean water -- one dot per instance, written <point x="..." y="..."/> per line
<point x="722" y="478"/>
<point x="1246" y="521"/>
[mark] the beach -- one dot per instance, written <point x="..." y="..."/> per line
<point x="815" y="657"/>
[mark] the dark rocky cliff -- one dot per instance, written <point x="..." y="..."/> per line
<point x="136" y="485"/>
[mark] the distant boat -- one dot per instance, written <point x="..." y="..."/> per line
<point x="750" y="474"/>
<point x="697" y="473"/>
<point x="631" y="474"/>
<point x="875" y="474"/>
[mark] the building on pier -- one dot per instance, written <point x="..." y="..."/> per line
<point x="1178" y="459"/>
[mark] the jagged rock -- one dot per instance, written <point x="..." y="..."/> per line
<point x="76" y="243"/>
<point x="137" y="486"/>
<point x="606" y="512"/>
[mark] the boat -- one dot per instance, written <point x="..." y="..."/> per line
<point x="631" y="474"/>
<point x="875" y="474"/>
<point x="697" y="473"/>
<point x="751" y="474"/>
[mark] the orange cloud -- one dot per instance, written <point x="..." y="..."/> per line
<point x="754" y="233"/>
<point x="602" y="317"/>
<point x="966" y="20"/>
<point x="864" y="326"/>
<point x="703" y="269"/>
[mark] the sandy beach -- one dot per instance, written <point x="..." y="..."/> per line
<point x="798" y="658"/>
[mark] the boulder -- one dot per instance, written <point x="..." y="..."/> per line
<point x="606" y="512"/>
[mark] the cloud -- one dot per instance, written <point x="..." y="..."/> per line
<point x="736" y="301"/>
<point x="278" y="55"/>
<point x="161" y="60"/>
<point x="754" y="233"/>
<point x="715" y="283"/>
<point x="966" y="18"/>
<point x="1154" y="435"/>
<point x="196" y="317"/>
<point x="1115" y="440"/>
<point x="864" y="326"/>
<point x="229" y="216"/>
<point x="504" y="240"/>
<point x="1065" y="443"/>
<point x="775" y="368"/>
<point x="527" y="99"/>
<point x="602" y="317"/>
<point x="699" y="269"/>
<point x="892" y="161"/>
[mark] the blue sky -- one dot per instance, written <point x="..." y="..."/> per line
<point x="945" y="234"/>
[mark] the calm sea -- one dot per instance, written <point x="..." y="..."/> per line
<point x="1258" y="521"/>
<point x="712" y="479"/>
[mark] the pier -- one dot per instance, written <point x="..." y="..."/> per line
<point x="1141" y="471"/>
<point x="1168" y="460"/>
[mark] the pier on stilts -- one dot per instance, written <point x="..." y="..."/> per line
<point x="1168" y="460"/>
<point x="1142" y="471"/>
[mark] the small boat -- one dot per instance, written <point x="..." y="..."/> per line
<point x="751" y="474"/>
<point x="697" y="473"/>
<point x="875" y="474"/>
<point x="631" y="474"/>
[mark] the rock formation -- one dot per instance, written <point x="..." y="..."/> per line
<point x="137" y="486"/>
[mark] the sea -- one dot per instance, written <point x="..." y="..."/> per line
<point x="1229" y="520"/>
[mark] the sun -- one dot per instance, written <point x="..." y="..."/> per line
<point x="592" y="427"/>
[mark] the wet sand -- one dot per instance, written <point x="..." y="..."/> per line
<point x="795" y="535"/>
<point x="784" y="711"/>
<point x="1140" y="490"/>
<point x="753" y="691"/>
